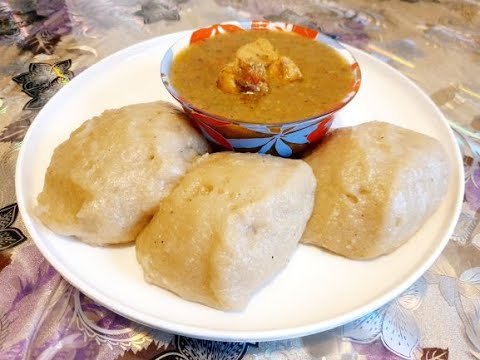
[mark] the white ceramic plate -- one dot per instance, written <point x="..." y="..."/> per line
<point x="317" y="291"/>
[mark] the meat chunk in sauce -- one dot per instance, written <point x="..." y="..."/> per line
<point x="259" y="51"/>
<point x="284" y="68"/>
<point x="243" y="77"/>
<point x="254" y="65"/>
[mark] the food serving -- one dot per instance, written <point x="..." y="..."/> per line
<point x="104" y="183"/>
<point x="225" y="224"/>
<point x="377" y="184"/>
<point x="313" y="282"/>
<point x="229" y="227"/>
<point x="259" y="86"/>
<point x="221" y="218"/>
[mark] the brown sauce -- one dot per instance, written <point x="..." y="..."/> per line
<point x="326" y="79"/>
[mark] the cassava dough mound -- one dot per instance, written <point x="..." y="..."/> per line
<point x="105" y="182"/>
<point x="377" y="184"/>
<point x="229" y="227"/>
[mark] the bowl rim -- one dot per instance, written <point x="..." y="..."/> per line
<point x="321" y="37"/>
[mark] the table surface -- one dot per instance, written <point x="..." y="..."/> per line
<point x="436" y="43"/>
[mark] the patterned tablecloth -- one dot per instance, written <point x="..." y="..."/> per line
<point x="45" y="43"/>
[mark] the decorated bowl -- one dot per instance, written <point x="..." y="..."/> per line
<point x="281" y="138"/>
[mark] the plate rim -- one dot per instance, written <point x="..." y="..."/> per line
<point x="219" y="334"/>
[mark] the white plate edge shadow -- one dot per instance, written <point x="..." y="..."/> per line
<point x="222" y="335"/>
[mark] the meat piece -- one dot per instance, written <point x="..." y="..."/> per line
<point x="255" y="63"/>
<point x="259" y="51"/>
<point x="243" y="77"/>
<point x="226" y="79"/>
<point x="285" y="69"/>
<point x="252" y="77"/>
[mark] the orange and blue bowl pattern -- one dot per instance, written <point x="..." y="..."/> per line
<point x="285" y="139"/>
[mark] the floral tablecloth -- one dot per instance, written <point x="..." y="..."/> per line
<point x="45" y="43"/>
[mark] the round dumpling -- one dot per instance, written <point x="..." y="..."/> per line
<point x="229" y="226"/>
<point x="377" y="184"/>
<point x="105" y="182"/>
